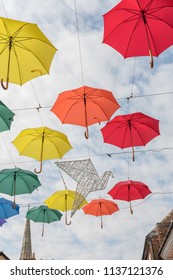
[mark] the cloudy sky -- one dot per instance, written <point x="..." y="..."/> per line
<point x="82" y="59"/>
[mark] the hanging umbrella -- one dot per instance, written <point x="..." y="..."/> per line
<point x="139" y="28"/>
<point x="42" y="143"/>
<point x="85" y="106"/>
<point x="6" y="117"/>
<point x="43" y="214"/>
<point x="63" y="200"/>
<point x="25" y="52"/>
<point x="130" y="130"/>
<point x="2" y="221"/>
<point x="100" y="207"/>
<point x="129" y="190"/>
<point x="8" y="209"/>
<point x="17" y="181"/>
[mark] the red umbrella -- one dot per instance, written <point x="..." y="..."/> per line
<point x="100" y="207"/>
<point x="129" y="190"/>
<point x="130" y="130"/>
<point x="85" y="106"/>
<point x="139" y="28"/>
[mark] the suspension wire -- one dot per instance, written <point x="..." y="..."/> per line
<point x="79" y="44"/>
<point x="62" y="178"/>
<point x="4" y="8"/>
<point x="100" y="155"/>
<point x="39" y="106"/>
<point x="80" y="56"/>
<point x="121" y="208"/>
<point x="12" y="161"/>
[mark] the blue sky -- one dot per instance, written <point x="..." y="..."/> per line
<point x="123" y="234"/>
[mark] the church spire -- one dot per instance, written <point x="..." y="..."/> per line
<point x="26" y="251"/>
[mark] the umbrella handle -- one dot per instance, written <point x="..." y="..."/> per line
<point x="133" y="154"/>
<point x="42" y="234"/>
<point x="39" y="170"/>
<point x="5" y="86"/>
<point x="101" y="221"/>
<point x="8" y="66"/>
<point x="86" y="133"/>
<point x="67" y="223"/>
<point x="151" y="59"/>
<point x="131" y="210"/>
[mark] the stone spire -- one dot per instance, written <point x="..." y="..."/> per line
<point x="26" y="251"/>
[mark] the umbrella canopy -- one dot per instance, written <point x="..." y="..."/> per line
<point x="2" y="221"/>
<point x="63" y="200"/>
<point x="130" y="130"/>
<point x="6" y="117"/>
<point x="17" y="181"/>
<point x="22" y="52"/>
<point x="139" y="28"/>
<point x="85" y="106"/>
<point x="100" y="207"/>
<point x="43" y="214"/>
<point x="129" y="190"/>
<point x="42" y="143"/>
<point x="8" y="209"/>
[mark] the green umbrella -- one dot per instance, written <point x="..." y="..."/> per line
<point x="17" y="181"/>
<point x="43" y="214"/>
<point x="6" y="117"/>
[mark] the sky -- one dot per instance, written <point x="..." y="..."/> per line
<point x="82" y="59"/>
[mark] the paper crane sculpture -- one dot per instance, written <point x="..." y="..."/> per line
<point x="85" y="174"/>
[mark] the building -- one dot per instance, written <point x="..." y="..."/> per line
<point x="3" y="257"/>
<point x="26" y="251"/>
<point x="159" y="242"/>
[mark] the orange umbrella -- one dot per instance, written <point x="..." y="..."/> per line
<point x="100" y="207"/>
<point x="85" y="106"/>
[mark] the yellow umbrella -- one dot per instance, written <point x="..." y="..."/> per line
<point x="63" y="200"/>
<point x="42" y="143"/>
<point x="25" y="52"/>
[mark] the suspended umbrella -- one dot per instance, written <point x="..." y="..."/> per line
<point x="6" y="117"/>
<point x="139" y="28"/>
<point x="8" y="209"/>
<point x="18" y="181"/>
<point x="129" y="190"/>
<point x="85" y="106"/>
<point x="63" y="200"/>
<point x="25" y="52"/>
<point x="100" y="207"/>
<point x="43" y="214"/>
<point x="130" y="130"/>
<point x="42" y="143"/>
<point x="2" y="221"/>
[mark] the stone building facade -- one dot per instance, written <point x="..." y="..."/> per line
<point x="159" y="242"/>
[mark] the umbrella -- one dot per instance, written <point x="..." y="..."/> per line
<point x="63" y="200"/>
<point x="100" y="207"/>
<point x="129" y="190"/>
<point x="85" y="106"/>
<point x="8" y="209"/>
<point x="6" y="117"/>
<point x="17" y="181"/>
<point x="2" y="221"/>
<point x="43" y="214"/>
<point x="139" y="28"/>
<point x="130" y="130"/>
<point x="25" y="52"/>
<point x="42" y="143"/>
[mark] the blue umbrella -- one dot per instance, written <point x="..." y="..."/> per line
<point x="8" y="209"/>
<point x="2" y="221"/>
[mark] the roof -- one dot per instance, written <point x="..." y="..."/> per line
<point x="3" y="256"/>
<point x="157" y="238"/>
